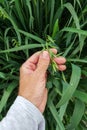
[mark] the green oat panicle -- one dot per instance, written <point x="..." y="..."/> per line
<point x="50" y="43"/>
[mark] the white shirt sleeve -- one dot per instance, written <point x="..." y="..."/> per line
<point x="23" y="115"/>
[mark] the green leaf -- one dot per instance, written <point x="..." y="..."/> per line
<point x="77" y="115"/>
<point x="71" y="87"/>
<point x="13" y="23"/>
<point x="79" y="3"/>
<point x="23" y="47"/>
<point x="82" y="35"/>
<point x="77" y="60"/>
<point x="81" y="95"/>
<point x="34" y="37"/>
<point x="30" y="12"/>
<point x="75" y="30"/>
<point x="1" y="1"/>
<point x="6" y="94"/>
<point x="55" y="28"/>
<point x="62" y="111"/>
<point x="73" y="13"/>
<point x="2" y="75"/>
<point x="19" y="11"/>
<point x="52" y="5"/>
<point x="55" y="115"/>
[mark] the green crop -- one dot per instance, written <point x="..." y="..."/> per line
<point x="27" y="26"/>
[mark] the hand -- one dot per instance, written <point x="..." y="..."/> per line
<point x="33" y="77"/>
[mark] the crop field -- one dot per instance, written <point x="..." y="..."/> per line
<point x="27" y="26"/>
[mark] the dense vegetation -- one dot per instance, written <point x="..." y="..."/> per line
<point x="27" y="26"/>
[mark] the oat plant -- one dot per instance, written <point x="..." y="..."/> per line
<point x="27" y="26"/>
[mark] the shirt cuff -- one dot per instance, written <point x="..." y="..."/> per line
<point x="30" y="109"/>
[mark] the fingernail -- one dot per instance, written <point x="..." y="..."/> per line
<point x="45" y="55"/>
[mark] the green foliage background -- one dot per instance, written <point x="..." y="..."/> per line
<point x="24" y="27"/>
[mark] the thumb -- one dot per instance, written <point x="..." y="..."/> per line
<point x="43" y="62"/>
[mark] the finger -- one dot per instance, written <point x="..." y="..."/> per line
<point x="34" y="58"/>
<point x="53" y="50"/>
<point x="44" y="101"/>
<point x="60" y="60"/>
<point x="31" y="66"/>
<point x="61" y="67"/>
<point x="43" y="62"/>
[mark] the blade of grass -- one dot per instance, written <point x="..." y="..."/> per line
<point x="30" y="12"/>
<point x="78" y="1"/>
<point x="73" y="13"/>
<point x="55" y="28"/>
<point x="12" y="21"/>
<point x="63" y="108"/>
<point x="23" y="47"/>
<point x="6" y="94"/>
<point x="55" y="115"/>
<point x="34" y="37"/>
<point x="77" y="60"/>
<point x="77" y="115"/>
<point x="74" y="30"/>
<point x="69" y="48"/>
<point x="62" y="111"/>
<point x="52" y="4"/>
<point x="71" y="87"/>
<point x="81" y="95"/>
<point x="76" y="20"/>
<point x="19" y="11"/>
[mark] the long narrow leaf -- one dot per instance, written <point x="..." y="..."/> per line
<point x="24" y="47"/>
<point x="74" y="30"/>
<point x="6" y="94"/>
<point x="32" y="36"/>
<point x="55" y="114"/>
<point x="75" y="78"/>
<point x="77" y="115"/>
